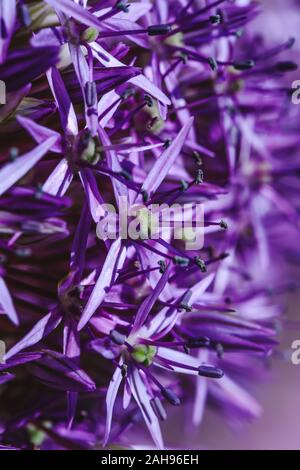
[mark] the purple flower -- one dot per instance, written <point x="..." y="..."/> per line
<point x="156" y="104"/>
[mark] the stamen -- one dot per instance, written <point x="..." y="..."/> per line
<point x="182" y="58"/>
<point x="184" y="304"/>
<point x="210" y="372"/>
<point x="148" y="101"/>
<point x="215" y="19"/>
<point x="24" y="15"/>
<point x="90" y="94"/>
<point x="153" y="30"/>
<point x="184" y="185"/>
<point x="180" y="261"/>
<point x="287" y="66"/>
<point x="124" y="370"/>
<point x="162" y="265"/>
<point x="208" y="7"/>
<point x="123" y="6"/>
<point x="117" y="337"/>
<point x="213" y="63"/>
<point x="170" y="396"/>
<point x="200" y="263"/>
<point x="145" y="196"/>
<point x="198" y="342"/>
<point x="158" y="30"/>
<point x="199" y="177"/>
<point x="13" y="153"/>
<point x="197" y="157"/>
<point x="246" y="65"/>
<point x="223" y="224"/>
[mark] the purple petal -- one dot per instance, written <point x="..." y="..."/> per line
<point x="19" y="359"/>
<point x="201" y="392"/>
<point x="7" y="19"/>
<point x="60" y="179"/>
<point x="24" y="65"/>
<point x="63" y="102"/>
<point x="114" y="260"/>
<point x="83" y="75"/>
<point x="161" y="323"/>
<point x="140" y="81"/>
<point x="116" y="24"/>
<point x="41" y="133"/>
<point x="141" y="396"/>
<point x="61" y="373"/>
<point x="71" y="343"/>
<point x="80" y="242"/>
<point x="148" y="303"/>
<point x="71" y="340"/>
<point x="7" y="302"/>
<point x="164" y="163"/>
<point x="120" y="189"/>
<point x="111" y="395"/>
<point x="179" y="358"/>
<point x="107" y="106"/>
<point x="6" y="378"/>
<point x="234" y="398"/>
<point x="40" y="330"/>
<point x="76" y="11"/>
<point x="12" y="172"/>
<point x="94" y="198"/>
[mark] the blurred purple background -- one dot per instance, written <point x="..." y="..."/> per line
<point x="280" y="395"/>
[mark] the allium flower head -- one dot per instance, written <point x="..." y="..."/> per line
<point x="162" y="107"/>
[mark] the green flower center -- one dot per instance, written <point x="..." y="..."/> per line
<point x="144" y="354"/>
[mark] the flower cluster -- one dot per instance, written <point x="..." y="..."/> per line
<point x="151" y="102"/>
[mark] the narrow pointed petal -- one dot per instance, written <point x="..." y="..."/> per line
<point x="40" y="330"/>
<point x="161" y="323"/>
<point x="60" y="179"/>
<point x="71" y="348"/>
<point x="8" y="18"/>
<point x="201" y="392"/>
<point x="140" y="81"/>
<point x="19" y="359"/>
<point x="141" y="396"/>
<point x="164" y="163"/>
<point x="114" y="260"/>
<point x="179" y="358"/>
<point x="6" y="302"/>
<point x="120" y="189"/>
<point x="12" y="172"/>
<point x="24" y="65"/>
<point x="76" y="11"/>
<point x="148" y="303"/>
<point x="61" y="373"/>
<point x="72" y="398"/>
<point x="111" y="396"/>
<point x="41" y="133"/>
<point x="107" y="106"/>
<point x="6" y="378"/>
<point x="94" y="198"/>
<point x="63" y="102"/>
<point x="79" y="244"/>
<point x="234" y="398"/>
<point x="197" y="290"/>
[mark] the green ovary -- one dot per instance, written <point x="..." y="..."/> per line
<point x="144" y="354"/>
